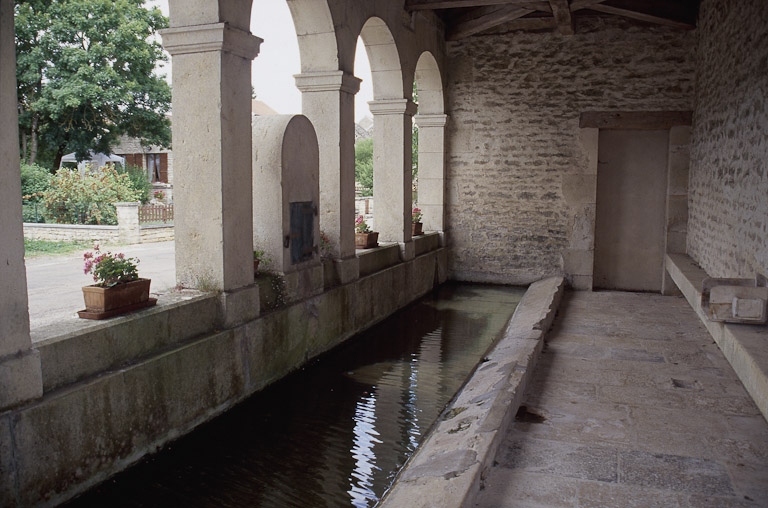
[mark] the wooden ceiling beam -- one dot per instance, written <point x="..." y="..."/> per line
<point x="641" y="16"/>
<point x="562" y="14"/>
<point x="577" y="5"/>
<point x="485" y="21"/>
<point x="414" y="5"/>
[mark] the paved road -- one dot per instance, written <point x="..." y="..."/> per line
<point x="54" y="282"/>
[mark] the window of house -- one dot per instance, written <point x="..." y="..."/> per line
<point x="153" y="167"/>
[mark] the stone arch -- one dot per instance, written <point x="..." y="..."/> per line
<point x="384" y="58"/>
<point x="429" y="84"/>
<point x="196" y="12"/>
<point x="318" y="47"/>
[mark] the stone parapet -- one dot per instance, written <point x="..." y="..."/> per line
<point x="118" y="390"/>
<point x="448" y="466"/>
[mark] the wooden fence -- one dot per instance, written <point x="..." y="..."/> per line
<point x="155" y="214"/>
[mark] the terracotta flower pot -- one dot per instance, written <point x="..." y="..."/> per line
<point x="416" y="229"/>
<point x="103" y="302"/>
<point x="366" y="240"/>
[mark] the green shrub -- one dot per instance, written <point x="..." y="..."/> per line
<point x="90" y="199"/>
<point x="35" y="180"/>
<point x="139" y="182"/>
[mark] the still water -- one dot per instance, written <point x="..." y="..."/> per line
<point x="334" y="433"/>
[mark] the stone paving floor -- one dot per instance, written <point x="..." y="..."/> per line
<point x="631" y="405"/>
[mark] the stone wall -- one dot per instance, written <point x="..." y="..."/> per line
<point x="71" y="233"/>
<point x="728" y="204"/>
<point x="515" y="152"/>
<point x="101" y="234"/>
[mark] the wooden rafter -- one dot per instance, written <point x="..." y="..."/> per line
<point x="467" y="17"/>
<point x="577" y="5"/>
<point x="413" y="5"/>
<point x="485" y="21"/>
<point x="641" y="16"/>
<point x="562" y="14"/>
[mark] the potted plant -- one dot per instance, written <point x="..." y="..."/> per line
<point x="259" y="255"/>
<point x="364" y="237"/>
<point x="118" y="287"/>
<point x="416" y="222"/>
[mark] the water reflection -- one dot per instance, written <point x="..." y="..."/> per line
<point x="335" y="433"/>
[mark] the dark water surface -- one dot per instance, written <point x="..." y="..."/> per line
<point x="334" y="433"/>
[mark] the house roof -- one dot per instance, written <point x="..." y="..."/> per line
<point x="260" y="108"/>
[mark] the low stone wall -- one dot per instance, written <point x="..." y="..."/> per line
<point x="116" y="391"/>
<point x="101" y="234"/>
<point x="71" y="233"/>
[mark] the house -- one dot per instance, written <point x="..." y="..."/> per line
<point x="156" y="161"/>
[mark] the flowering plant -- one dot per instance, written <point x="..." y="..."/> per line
<point x="110" y="269"/>
<point x="326" y="248"/>
<point x="159" y="195"/>
<point x="361" y="226"/>
<point x="416" y="215"/>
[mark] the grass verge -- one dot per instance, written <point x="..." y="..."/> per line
<point x="36" y="248"/>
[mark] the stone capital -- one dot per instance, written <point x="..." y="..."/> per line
<point x="211" y="37"/>
<point x="330" y="81"/>
<point x="430" y="120"/>
<point x="392" y="107"/>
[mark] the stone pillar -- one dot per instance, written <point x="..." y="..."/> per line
<point x="20" y="373"/>
<point x="212" y="153"/>
<point x="678" y="162"/>
<point x="328" y="100"/>
<point x="128" y="222"/>
<point x="392" y="181"/>
<point x="580" y="195"/>
<point x="432" y="170"/>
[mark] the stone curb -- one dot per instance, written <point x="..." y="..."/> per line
<point x="447" y="468"/>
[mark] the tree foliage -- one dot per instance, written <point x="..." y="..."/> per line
<point x="139" y="182"/>
<point x="87" y="199"/>
<point x="85" y="72"/>
<point x="35" y="180"/>
<point x="364" y="165"/>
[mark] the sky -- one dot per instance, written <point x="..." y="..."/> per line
<point x="278" y="59"/>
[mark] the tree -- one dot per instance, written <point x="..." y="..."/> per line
<point x="364" y="165"/>
<point x="85" y="72"/>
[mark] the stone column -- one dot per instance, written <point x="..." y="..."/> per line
<point x="328" y="100"/>
<point x="392" y="193"/>
<point x="20" y="374"/>
<point x="432" y="170"/>
<point x="128" y="228"/>
<point x="212" y="154"/>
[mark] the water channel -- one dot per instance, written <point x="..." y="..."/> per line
<point x="334" y="433"/>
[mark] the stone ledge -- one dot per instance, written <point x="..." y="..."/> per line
<point x="744" y="346"/>
<point x="447" y="468"/>
<point x="85" y="348"/>
<point x="377" y="259"/>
